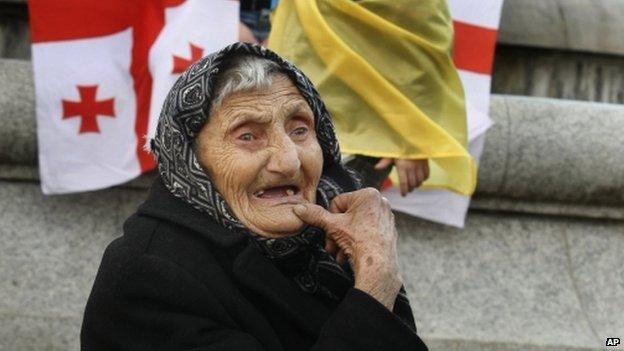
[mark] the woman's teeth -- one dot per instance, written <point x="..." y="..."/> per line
<point x="276" y="192"/>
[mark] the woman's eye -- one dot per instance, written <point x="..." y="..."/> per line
<point x="300" y="131"/>
<point x="246" y="137"/>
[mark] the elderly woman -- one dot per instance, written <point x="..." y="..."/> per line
<point x="254" y="236"/>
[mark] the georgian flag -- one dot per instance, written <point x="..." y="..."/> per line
<point x="476" y="27"/>
<point x="102" y="70"/>
<point x="192" y="31"/>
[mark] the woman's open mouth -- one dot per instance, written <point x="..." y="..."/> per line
<point x="277" y="192"/>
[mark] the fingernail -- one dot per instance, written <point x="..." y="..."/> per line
<point x="299" y="209"/>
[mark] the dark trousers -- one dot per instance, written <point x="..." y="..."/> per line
<point x="365" y="166"/>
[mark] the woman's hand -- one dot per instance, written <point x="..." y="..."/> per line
<point x="412" y="173"/>
<point x="362" y="225"/>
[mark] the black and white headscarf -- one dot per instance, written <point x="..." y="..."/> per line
<point x="186" y="109"/>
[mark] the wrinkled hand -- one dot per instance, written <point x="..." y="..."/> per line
<point x="412" y="173"/>
<point x="361" y="225"/>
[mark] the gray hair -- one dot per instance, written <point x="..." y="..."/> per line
<point x="245" y="73"/>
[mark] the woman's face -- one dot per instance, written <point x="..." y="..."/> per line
<point x="261" y="152"/>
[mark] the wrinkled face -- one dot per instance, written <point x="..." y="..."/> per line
<point x="260" y="150"/>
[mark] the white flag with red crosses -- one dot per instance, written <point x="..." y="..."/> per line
<point x="476" y="26"/>
<point x="102" y="70"/>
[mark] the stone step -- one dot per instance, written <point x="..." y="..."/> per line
<point x="552" y="149"/>
<point x="538" y="150"/>
<point x="579" y="25"/>
<point x="506" y="282"/>
<point x="558" y="74"/>
<point x="567" y="49"/>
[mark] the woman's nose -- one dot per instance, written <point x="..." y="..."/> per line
<point x="284" y="158"/>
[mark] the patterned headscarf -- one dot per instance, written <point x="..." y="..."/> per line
<point x="186" y="110"/>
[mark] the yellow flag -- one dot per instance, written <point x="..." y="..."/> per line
<point x="385" y="72"/>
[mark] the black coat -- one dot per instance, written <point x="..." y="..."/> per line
<point x="176" y="280"/>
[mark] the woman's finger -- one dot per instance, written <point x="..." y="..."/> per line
<point x="426" y="170"/>
<point x="333" y="207"/>
<point x="413" y="176"/>
<point x="314" y="215"/>
<point x="403" y="180"/>
<point x="384" y="163"/>
<point x="342" y="202"/>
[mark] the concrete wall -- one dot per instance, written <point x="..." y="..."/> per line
<point x="51" y="247"/>
<point x="516" y="282"/>
<point x="506" y="282"/>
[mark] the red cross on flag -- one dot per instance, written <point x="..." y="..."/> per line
<point x="190" y="34"/>
<point x="88" y="109"/>
<point x="102" y="70"/>
<point x="180" y="64"/>
<point x="476" y="27"/>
